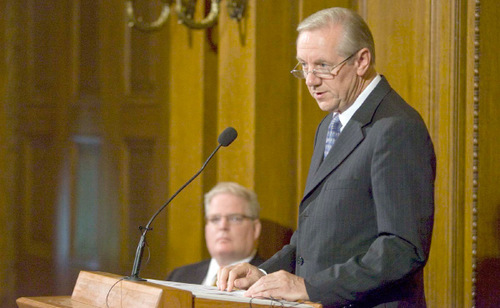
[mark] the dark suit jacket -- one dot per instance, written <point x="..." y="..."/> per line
<point x="366" y="218"/>
<point x="196" y="272"/>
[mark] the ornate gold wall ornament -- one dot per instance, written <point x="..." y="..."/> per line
<point x="185" y="12"/>
<point x="139" y="24"/>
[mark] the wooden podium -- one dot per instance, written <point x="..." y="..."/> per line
<point x="92" y="288"/>
<point x="99" y="289"/>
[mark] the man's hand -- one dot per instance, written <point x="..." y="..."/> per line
<point x="279" y="285"/>
<point x="241" y="276"/>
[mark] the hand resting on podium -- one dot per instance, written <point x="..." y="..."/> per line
<point x="278" y="285"/>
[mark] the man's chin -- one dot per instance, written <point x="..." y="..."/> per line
<point x="225" y="250"/>
<point x="227" y="257"/>
<point x="223" y="242"/>
<point x="325" y="106"/>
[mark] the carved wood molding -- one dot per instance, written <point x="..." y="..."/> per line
<point x="475" y="154"/>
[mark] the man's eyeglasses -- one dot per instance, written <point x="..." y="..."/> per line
<point x="323" y="72"/>
<point x="234" y="219"/>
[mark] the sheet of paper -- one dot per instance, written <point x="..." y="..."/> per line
<point x="234" y="296"/>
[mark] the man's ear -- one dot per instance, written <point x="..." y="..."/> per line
<point x="257" y="228"/>
<point x="363" y="61"/>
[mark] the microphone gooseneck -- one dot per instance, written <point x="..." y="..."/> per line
<point x="225" y="139"/>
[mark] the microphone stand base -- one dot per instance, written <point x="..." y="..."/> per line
<point x="134" y="278"/>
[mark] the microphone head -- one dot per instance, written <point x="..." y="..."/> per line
<point x="227" y="136"/>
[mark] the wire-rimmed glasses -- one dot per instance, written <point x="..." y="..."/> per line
<point x="323" y="73"/>
<point x="234" y="219"/>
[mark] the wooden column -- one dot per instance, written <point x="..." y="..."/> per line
<point x="192" y="137"/>
<point x="417" y="51"/>
<point x="7" y="153"/>
<point x="483" y="126"/>
<point x="257" y="96"/>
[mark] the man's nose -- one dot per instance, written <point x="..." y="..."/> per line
<point x="312" y="80"/>
<point x="223" y="223"/>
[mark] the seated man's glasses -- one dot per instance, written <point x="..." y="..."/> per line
<point x="234" y="219"/>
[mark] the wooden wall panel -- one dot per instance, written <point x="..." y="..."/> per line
<point x="416" y="50"/>
<point x="143" y="118"/>
<point x="135" y="130"/>
<point x="85" y="150"/>
<point x="38" y="196"/>
<point x="236" y="99"/>
<point x="471" y="174"/>
<point x="402" y="47"/>
<point x="489" y="173"/>
<point x="141" y="59"/>
<point x="139" y="168"/>
<point x="87" y="50"/>
<point x="486" y="127"/>
<point x="85" y="232"/>
<point x="257" y="97"/>
<point x="40" y="135"/>
<point x="113" y="104"/>
<point x="275" y="112"/>
<point x="7" y="216"/>
<point x="188" y="139"/>
<point x="114" y="121"/>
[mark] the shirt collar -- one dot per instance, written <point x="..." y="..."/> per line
<point x="213" y="268"/>
<point x="345" y="116"/>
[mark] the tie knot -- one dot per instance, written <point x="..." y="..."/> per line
<point x="332" y="134"/>
<point x="335" y="124"/>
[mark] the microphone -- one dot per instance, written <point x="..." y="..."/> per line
<point x="225" y="139"/>
<point x="227" y="136"/>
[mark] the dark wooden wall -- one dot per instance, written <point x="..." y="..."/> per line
<point x="101" y="123"/>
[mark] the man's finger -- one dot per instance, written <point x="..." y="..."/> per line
<point x="222" y="275"/>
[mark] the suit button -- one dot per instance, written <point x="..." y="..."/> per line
<point x="300" y="260"/>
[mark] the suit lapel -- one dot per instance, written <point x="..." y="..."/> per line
<point x="319" y="145"/>
<point x="200" y="273"/>
<point x="349" y="139"/>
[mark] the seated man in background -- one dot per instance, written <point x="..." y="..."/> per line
<point x="231" y="232"/>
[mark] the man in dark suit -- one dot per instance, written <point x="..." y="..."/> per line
<point x="231" y="232"/>
<point x="365" y="221"/>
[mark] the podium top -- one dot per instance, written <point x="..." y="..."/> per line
<point x="98" y="289"/>
<point x="213" y="293"/>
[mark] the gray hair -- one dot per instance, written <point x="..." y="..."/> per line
<point x="235" y="189"/>
<point x="357" y="34"/>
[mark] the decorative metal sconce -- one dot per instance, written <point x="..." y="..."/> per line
<point x="186" y="17"/>
<point x="185" y="12"/>
<point x="141" y="25"/>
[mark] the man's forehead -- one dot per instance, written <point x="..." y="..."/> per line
<point x="313" y="39"/>
<point x="330" y="32"/>
<point x="321" y="42"/>
<point x="225" y="202"/>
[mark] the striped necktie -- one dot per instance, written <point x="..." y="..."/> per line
<point x="332" y="134"/>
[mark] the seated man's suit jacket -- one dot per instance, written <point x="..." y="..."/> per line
<point x="196" y="272"/>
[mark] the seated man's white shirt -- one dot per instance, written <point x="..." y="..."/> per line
<point x="213" y="268"/>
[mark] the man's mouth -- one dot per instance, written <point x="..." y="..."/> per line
<point x="319" y="94"/>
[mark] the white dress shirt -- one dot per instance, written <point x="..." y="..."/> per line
<point x="213" y="268"/>
<point x="345" y="116"/>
